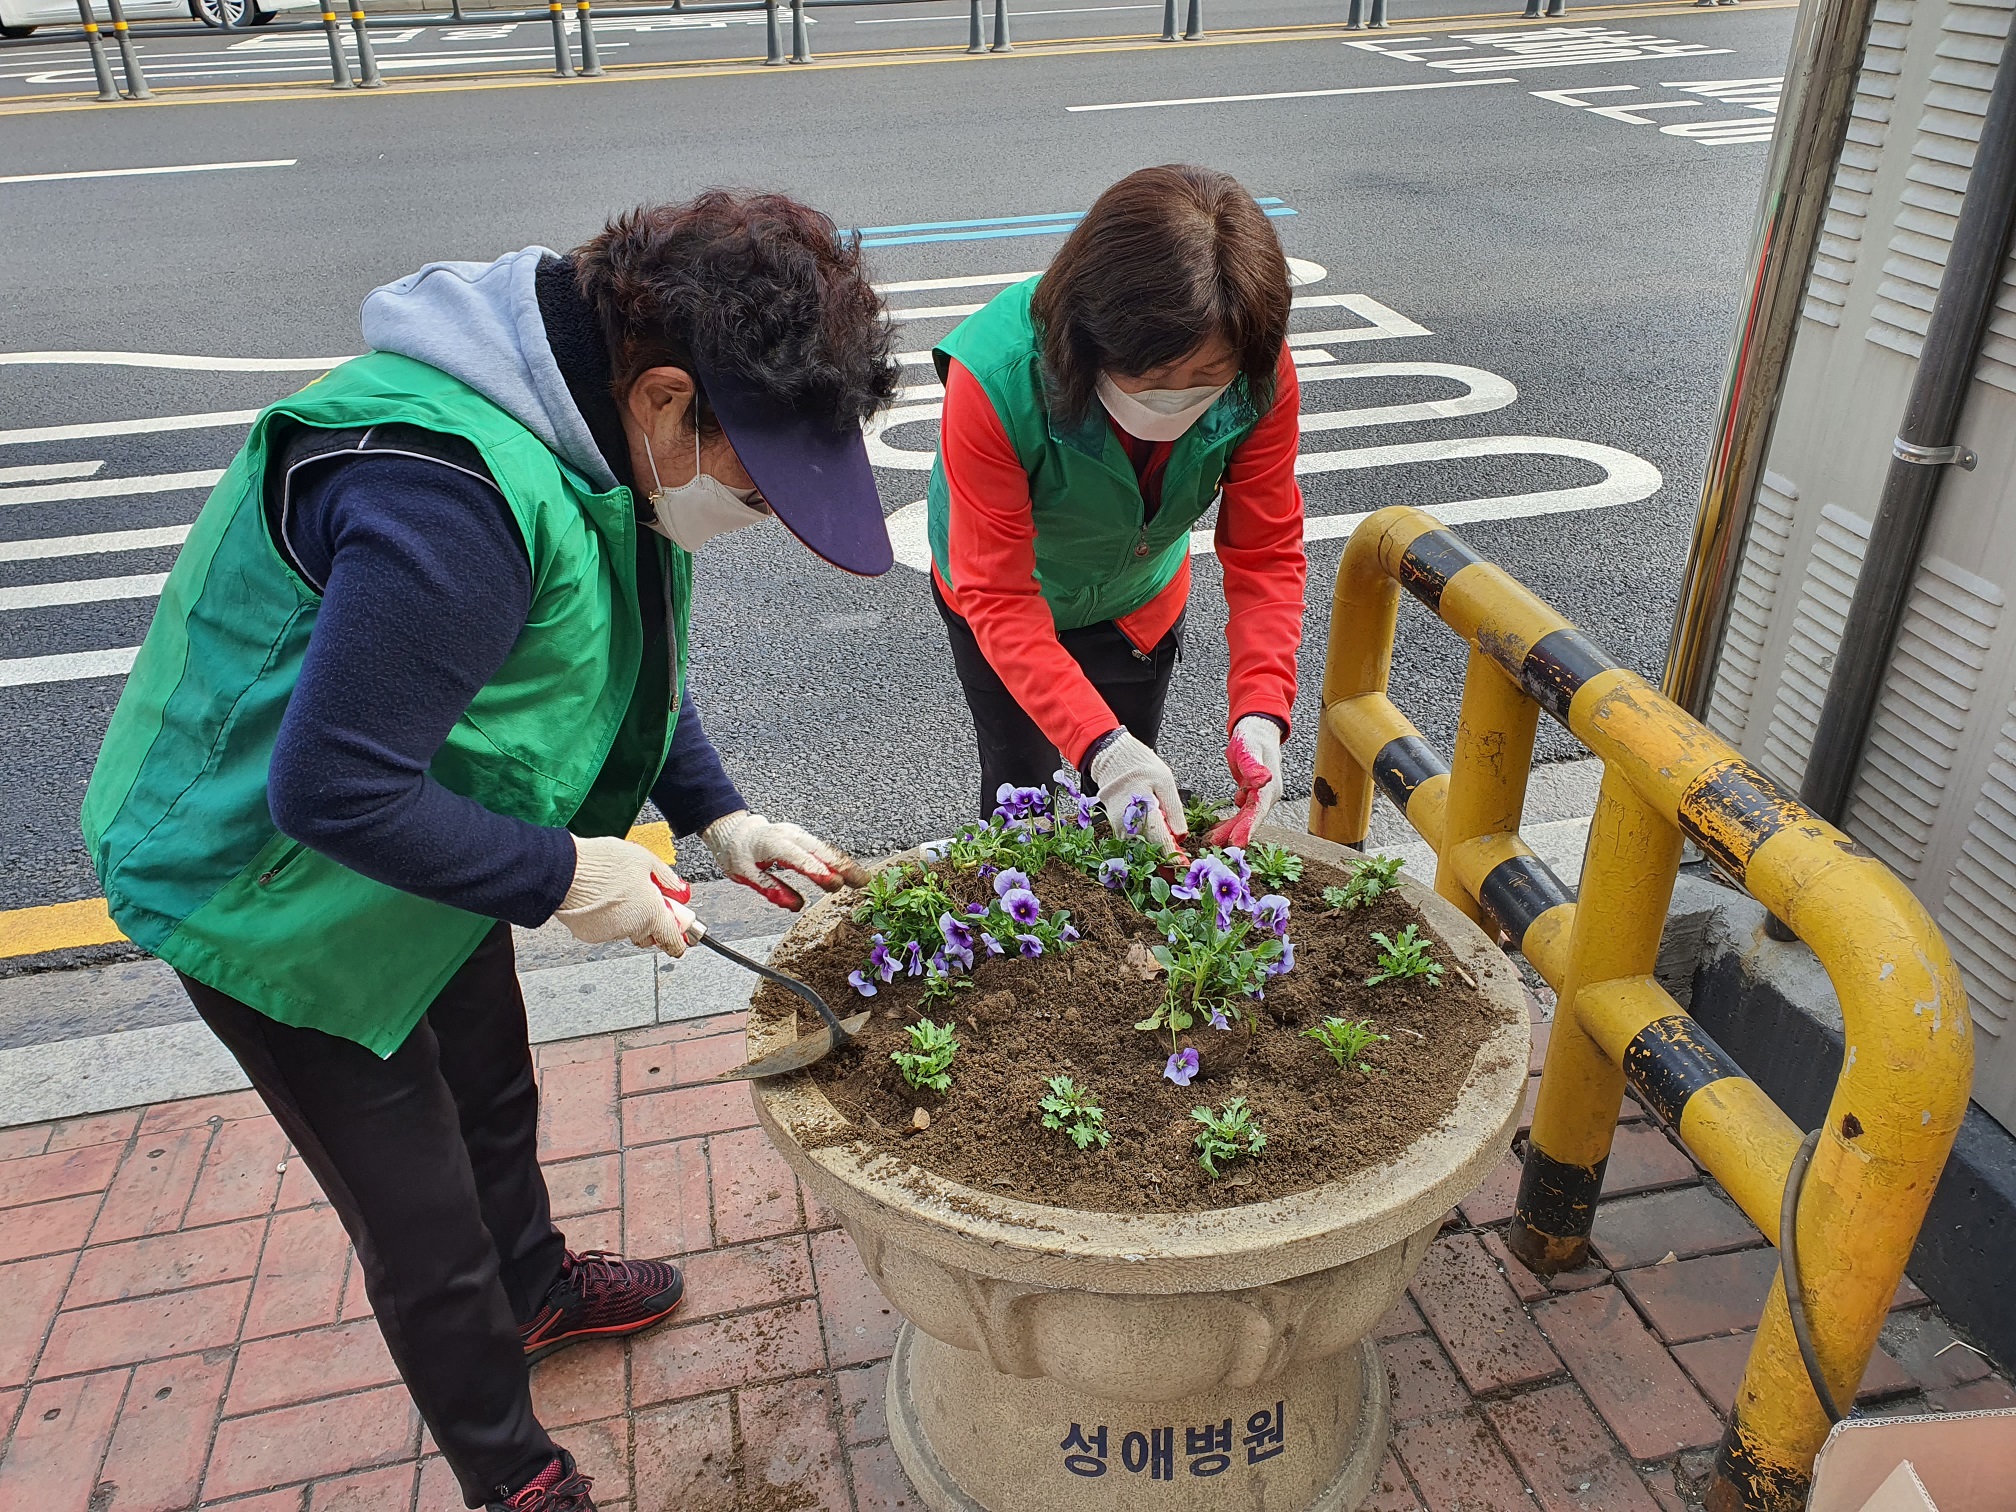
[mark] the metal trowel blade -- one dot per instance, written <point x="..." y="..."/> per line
<point x="795" y="1056"/>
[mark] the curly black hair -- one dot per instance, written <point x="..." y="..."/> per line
<point x="754" y="284"/>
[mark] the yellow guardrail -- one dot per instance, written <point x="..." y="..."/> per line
<point x="1853" y="1213"/>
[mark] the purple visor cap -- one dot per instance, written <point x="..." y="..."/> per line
<point x="816" y="480"/>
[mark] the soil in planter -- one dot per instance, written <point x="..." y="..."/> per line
<point x="1073" y="1012"/>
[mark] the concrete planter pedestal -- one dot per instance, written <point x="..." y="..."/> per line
<point x="1055" y="1360"/>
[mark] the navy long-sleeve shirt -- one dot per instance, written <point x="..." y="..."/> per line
<point x="425" y="587"/>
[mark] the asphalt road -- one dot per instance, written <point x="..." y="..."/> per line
<point x="1567" y="278"/>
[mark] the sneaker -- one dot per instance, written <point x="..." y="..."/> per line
<point x="557" y="1488"/>
<point x="601" y="1296"/>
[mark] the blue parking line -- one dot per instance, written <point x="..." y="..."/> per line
<point x="996" y="227"/>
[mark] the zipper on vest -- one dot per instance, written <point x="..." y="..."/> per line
<point x="285" y="859"/>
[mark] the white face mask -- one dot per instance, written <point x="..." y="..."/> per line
<point x="1157" y="414"/>
<point x="694" y="513"/>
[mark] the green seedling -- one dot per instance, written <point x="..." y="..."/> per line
<point x="1274" y="866"/>
<point x="1228" y="1134"/>
<point x="1346" y="1041"/>
<point x="1200" y="813"/>
<point x="927" y="1064"/>
<point x="1072" y="1109"/>
<point x="1403" y="956"/>
<point x="1370" y="880"/>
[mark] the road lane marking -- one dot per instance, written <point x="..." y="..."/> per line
<point x="1294" y="94"/>
<point x="91" y="431"/>
<point x="111" y="488"/>
<point x="102" y="173"/>
<point x="172" y="360"/>
<point x="85" y="591"/>
<point x="925" y="285"/>
<point x="72" y="666"/>
<point x="46" y="472"/>
<point x="40" y="548"/>
<point x="57" y="926"/>
<point x="1484" y="392"/>
<point x="934" y="312"/>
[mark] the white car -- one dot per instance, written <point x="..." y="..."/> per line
<point x="20" y="17"/>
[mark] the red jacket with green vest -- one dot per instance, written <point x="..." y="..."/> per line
<point x="1039" y="525"/>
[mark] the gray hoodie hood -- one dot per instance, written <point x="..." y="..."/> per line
<point x="480" y="322"/>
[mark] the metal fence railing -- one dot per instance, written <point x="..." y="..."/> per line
<point x="984" y="34"/>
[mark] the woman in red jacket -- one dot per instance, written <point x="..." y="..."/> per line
<point x="1092" y="416"/>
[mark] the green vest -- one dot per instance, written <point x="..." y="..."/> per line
<point x="572" y="730"/>
<point x="1097" y="555"/>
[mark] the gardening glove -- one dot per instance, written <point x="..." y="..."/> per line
<point x="1126" y="771"/>
<point x="1254" y="755"/>
<point x="752" y="850"/>
<point x="623" y="892"/>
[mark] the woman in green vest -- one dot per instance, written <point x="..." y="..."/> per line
<point x="1092" y="416"/>
<point x="413" y="676"/>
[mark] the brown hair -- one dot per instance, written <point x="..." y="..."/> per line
<point x="1164" y="260"/>
<point x="757" y="285"/>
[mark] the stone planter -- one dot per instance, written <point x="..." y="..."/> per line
<point x="1054" y="1360"/>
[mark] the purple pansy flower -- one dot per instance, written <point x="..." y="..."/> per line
<point x="1285" y="962"/>
<point x="976" y="910"/>
<point x="860" y="984"/>
<point x="1113" y="873"/>
<point x="1182" y="1066"/>
<point x="993" y="945"/>
<point x="1218" y="1019"/>
<point x="1022" y="906"/>
<point x="1133" y="814"/>
<point x="1065" y="778"/>
<point x="913" y="957"/>
<point x="1009" y="880"/>
<point x="1235" y="858"/>
<point x="1068" y="933"/>
<point x="1031" y="946"/>
<point x="1195" y="880"/>
<point x="1271" y="912"/>
<point x="881" y="962"/>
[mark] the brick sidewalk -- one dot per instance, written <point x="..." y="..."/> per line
<point x="184" y="1324"/>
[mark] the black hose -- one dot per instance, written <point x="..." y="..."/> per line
<point x="1921" y="456"/>
<point x="1788" y="1265"/>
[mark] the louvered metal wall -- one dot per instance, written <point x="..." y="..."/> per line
<point x="1936" y="793"/>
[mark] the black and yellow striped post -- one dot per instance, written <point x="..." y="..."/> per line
<point x="1904" y="1082"/>
<point x="591" y="60"/>
<point x="107" y="90"/>
<point x="339" y="66"/>
<point x="136" y="78"/>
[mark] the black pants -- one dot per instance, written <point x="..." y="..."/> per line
<point x="1134" y="683"/>
<point x="431" y="1160"/>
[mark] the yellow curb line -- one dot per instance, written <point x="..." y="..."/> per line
<point x="73" y="926"/>
<point x="633" y="73"/>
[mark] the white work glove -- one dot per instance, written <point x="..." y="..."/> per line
<point x="623" y="892"/>
<point x="753" y="849"/>
<point x="1254" y="755"/>
<point x="1126" y="771"/>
